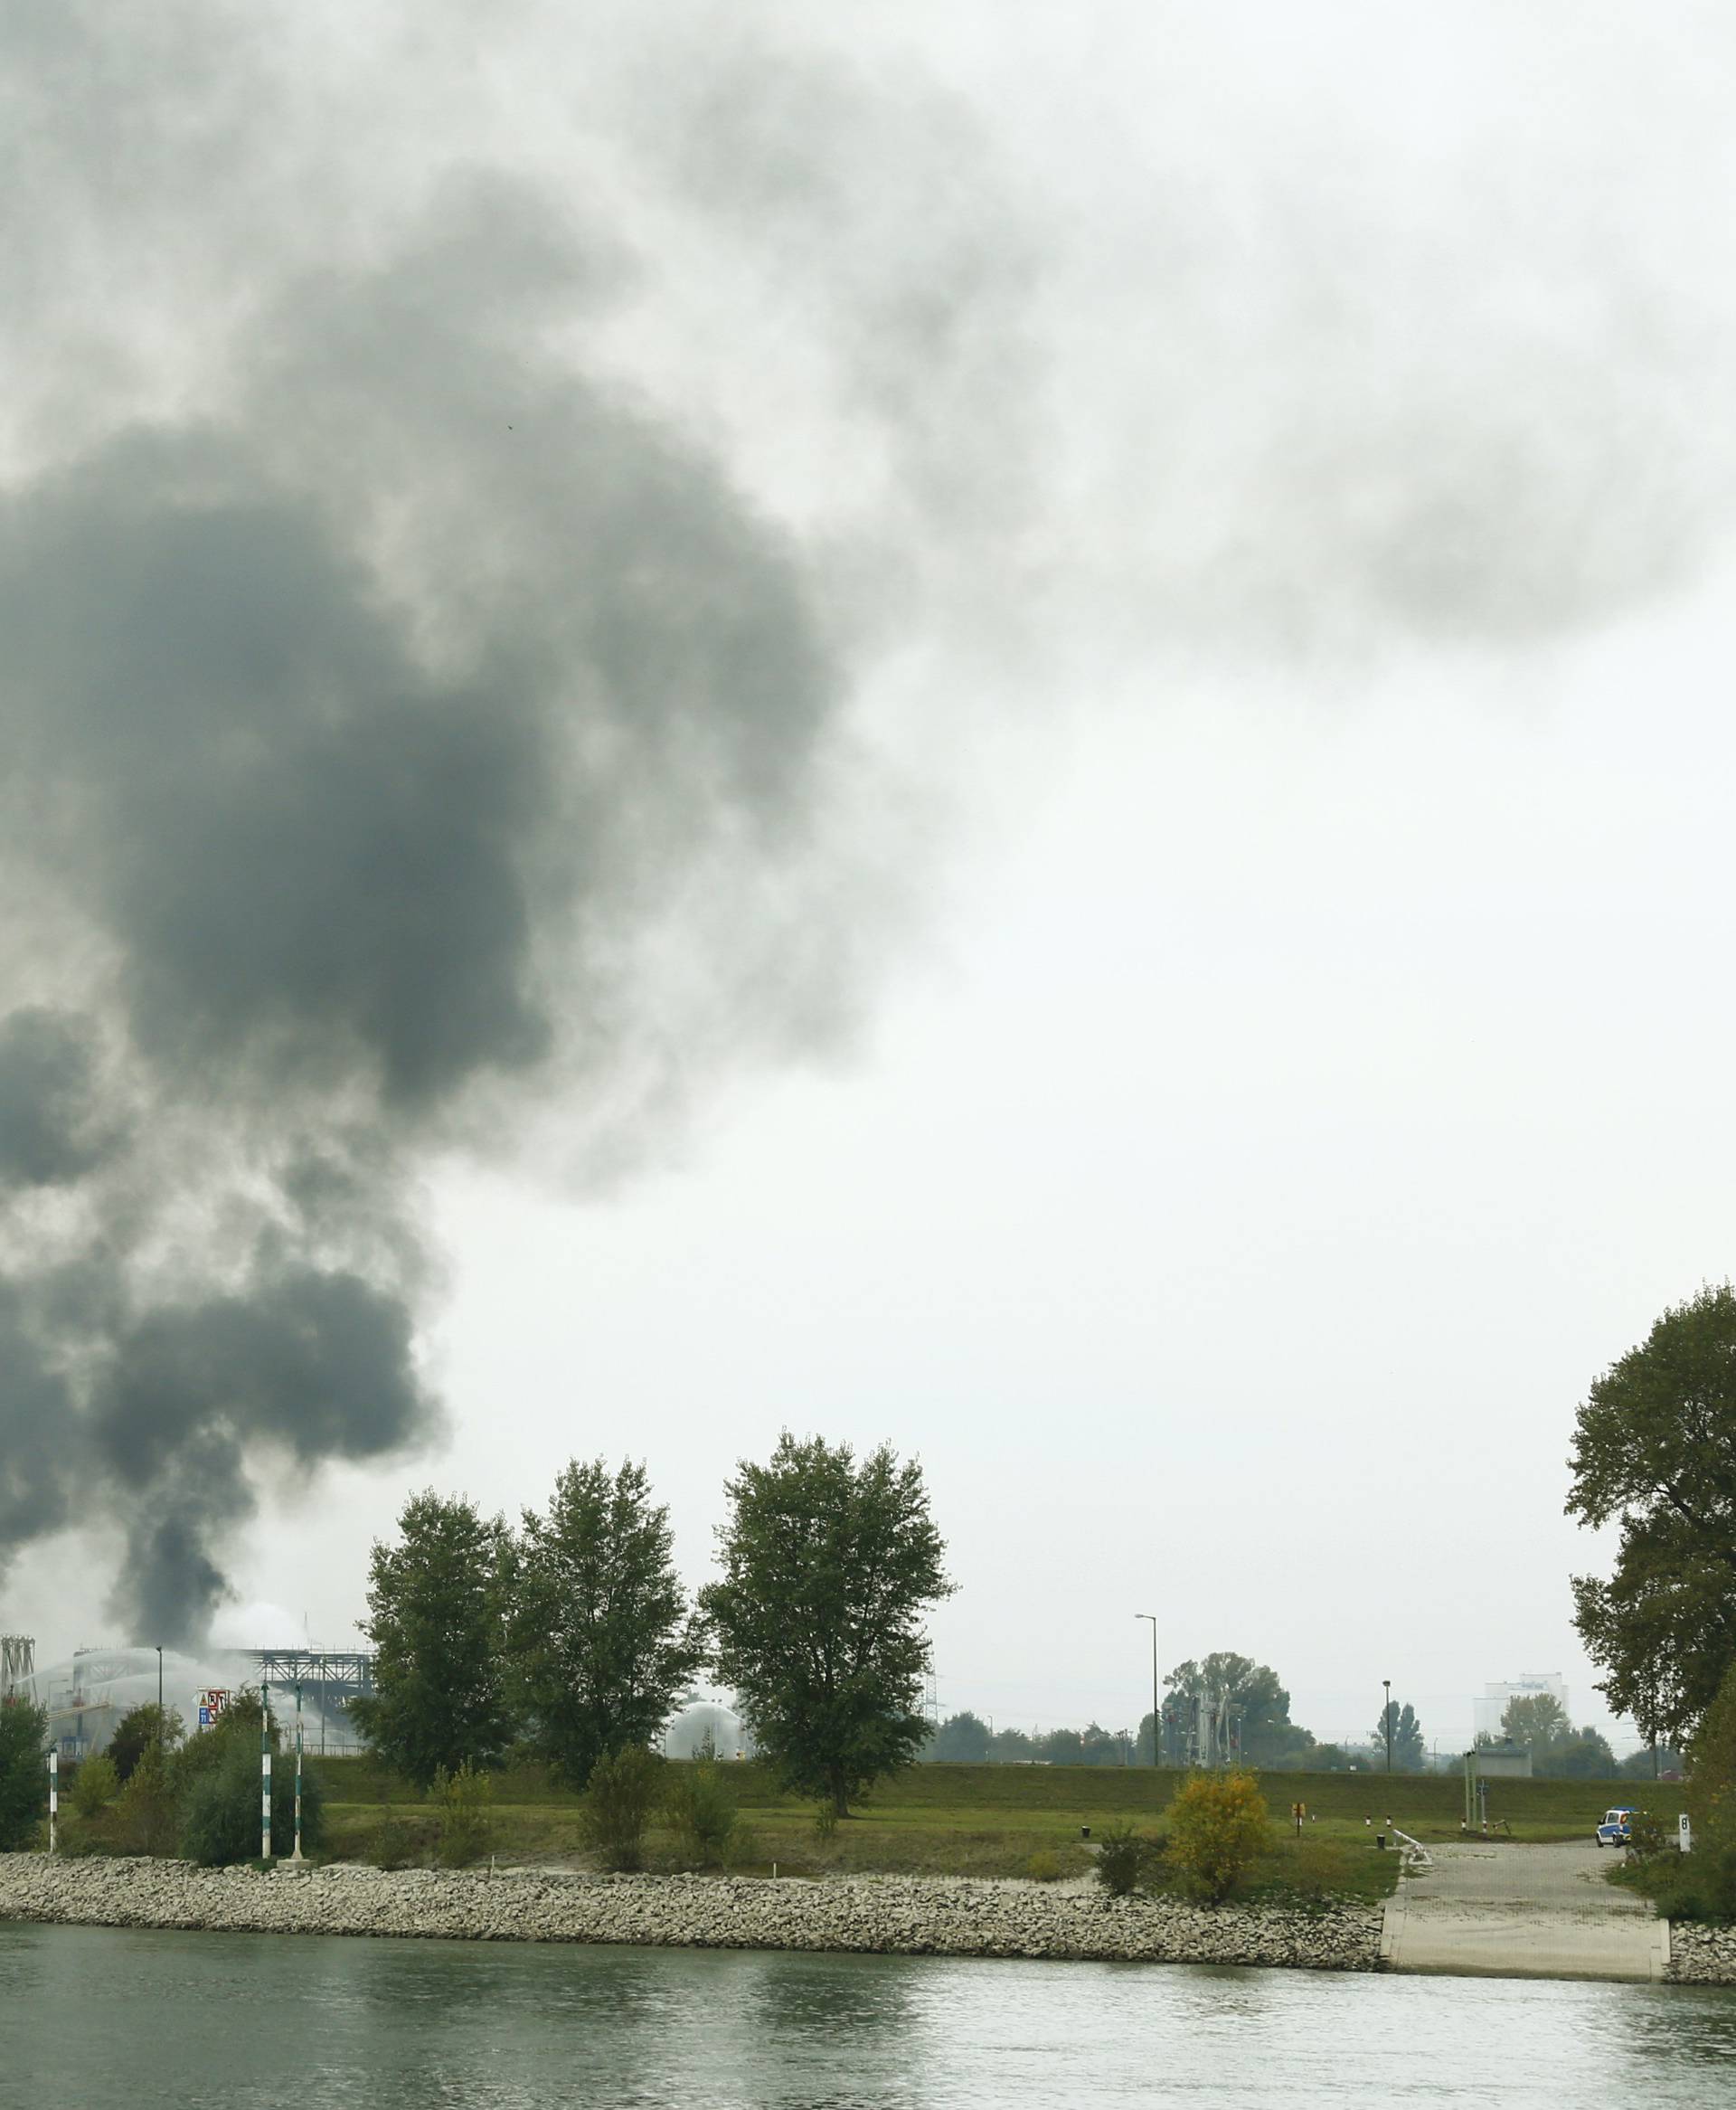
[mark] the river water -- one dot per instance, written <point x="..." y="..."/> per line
<point x="125" y="2020"/>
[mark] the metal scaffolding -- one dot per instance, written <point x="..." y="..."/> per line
<point x="338" y="1671"/>
<point x="17" y="1662"/>
<point x="329" y="1679"/>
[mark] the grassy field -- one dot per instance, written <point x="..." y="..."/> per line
<point x="1007" y="1820"/>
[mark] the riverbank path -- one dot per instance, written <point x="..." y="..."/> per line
<point x="1521" y="1912"/>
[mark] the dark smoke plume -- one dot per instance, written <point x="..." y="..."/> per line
<point x="364" y="740"/>
<point x="408" y="726"/>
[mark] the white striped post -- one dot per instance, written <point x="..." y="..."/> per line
<point x="297" y="1855"/>
<point x="54" y="1793"/>
<point x="265" y="1771"/>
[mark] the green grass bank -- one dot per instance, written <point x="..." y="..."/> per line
<point x="1003" y="1819"/>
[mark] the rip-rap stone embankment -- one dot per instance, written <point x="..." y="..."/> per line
<point x="887" y="1914"/>
<point x="1701" y="1955"/>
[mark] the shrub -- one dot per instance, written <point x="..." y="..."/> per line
<point x="140" y="1727"/>
<point x="1124" y="1856"/>
<point x="1645" y="1837"/>
<point x="23" y="1774"/>
<point x="389" y="1845"/>
<point x="700" y="1810"/>
<point x="1043" y="1866"/>
<point x="825" y="1820"/>
<point x="144" y="1818"/>
<point x="1701" y="1884"/>
<point x="623" y="1791"/>
<point x="463" y="1799"/>
<point x="1218" y="1830"/>
<point x="216" y="1784"/>
<point x="1711" y="1782"/>
<point x="95" y="1786"/>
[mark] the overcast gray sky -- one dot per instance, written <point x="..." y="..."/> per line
<point x="999" y="726"/>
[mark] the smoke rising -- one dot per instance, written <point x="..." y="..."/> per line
<point x="449" y="518"/>
<point x="364" y="739"/>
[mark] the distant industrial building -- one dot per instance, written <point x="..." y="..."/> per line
<point x="1486" y="1712"/>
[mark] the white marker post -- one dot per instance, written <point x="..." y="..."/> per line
<point x="297" y="1855"/>
<point x="53" y="1794"/>
<point x="265" y="1771"/>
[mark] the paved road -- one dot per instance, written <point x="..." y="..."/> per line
<point x="1521" y="1912"/>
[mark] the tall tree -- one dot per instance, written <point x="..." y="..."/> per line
<point x="1655" y="1450"/>
<point x="962" y="1739"/>
<point x="1536" y="1722"/>
<point x="24" y="1772"/>
<point x="1408" y="1750"/>
<point x="436" y="1605"/>
<point x="139" y="1727"/>
<point x="1259" y="1706"/>
<point x="828" y="1568"/>
<point x="1583" y="1755"/>
<point x="604" y="1642"/>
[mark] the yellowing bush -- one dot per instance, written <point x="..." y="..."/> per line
<point x="1218" y="1830"/>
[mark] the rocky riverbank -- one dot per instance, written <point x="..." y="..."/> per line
<point x="890" y="1914"/>
<point x="1701" y="1955"/>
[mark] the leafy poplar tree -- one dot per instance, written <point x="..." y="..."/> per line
<point x="24" y="1773"/>
<point x="435" y="1617"/>
<point x="1655" y="1450"/>
<point x="604" y="1641"/>
<point x="1408" y="1750"/>
<point x="828" y="1567"/>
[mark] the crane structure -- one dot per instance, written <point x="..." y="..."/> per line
<point x="17" y="1662"/>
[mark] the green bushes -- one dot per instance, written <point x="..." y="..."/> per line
<point x="464" y="1801"/>
<point x="1217" y="1831"/>
<point x="1126" y="1857"/>
<point x="623" y="1792"/>
<point x="1702" y="1884"/>
<point x="390" y="1846"/>
<point x="23" y="1774"/>
<point x="700" y="1810"/>
<point x="144" y="1820"/>
<point x="215" y="1781"/>
<point x="95" y="1786"/>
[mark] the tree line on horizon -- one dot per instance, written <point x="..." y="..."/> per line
<point x="1250" y="1697"/>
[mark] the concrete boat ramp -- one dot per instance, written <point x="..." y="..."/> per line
<point x="1485" y="1910"/>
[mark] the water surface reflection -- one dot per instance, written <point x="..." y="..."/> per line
<point x="256" y="2022"/>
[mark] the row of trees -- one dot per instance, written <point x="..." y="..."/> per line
<point x="1247" y="1695"/>
<point x="572" y="1638"/>
<point x="154" y="1791"/>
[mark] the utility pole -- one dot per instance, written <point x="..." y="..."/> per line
<point x="159" y="1698"/>
<point x="1386" y="1718"/>
<point x="1156" y="1717"/>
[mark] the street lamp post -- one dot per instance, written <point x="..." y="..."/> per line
<point x="1386" y="1720"/>
<point x="1156" y="1719"/>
